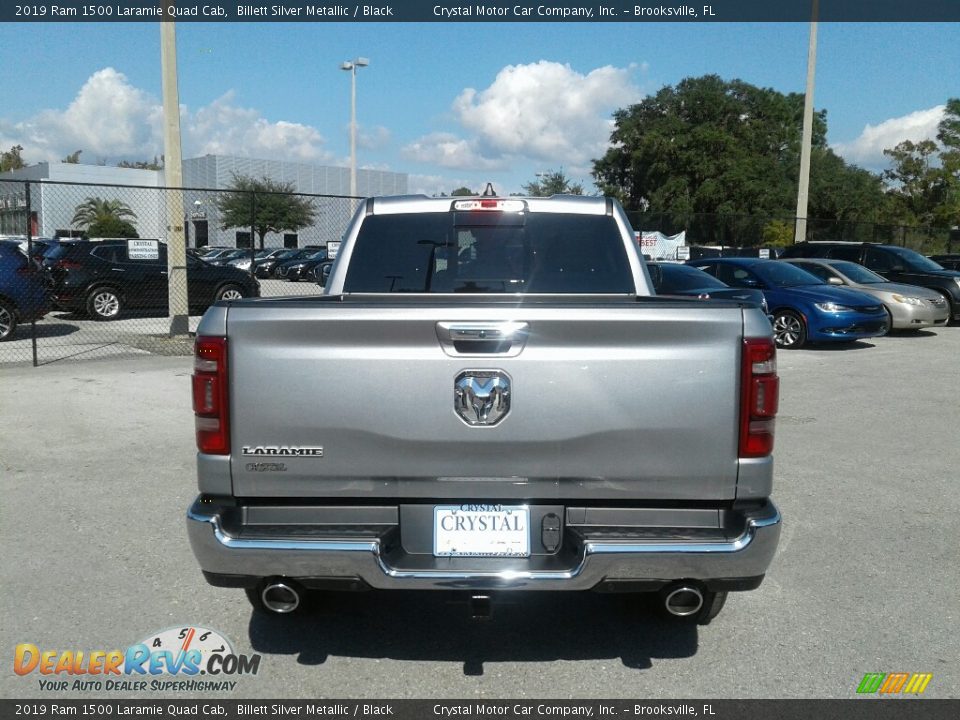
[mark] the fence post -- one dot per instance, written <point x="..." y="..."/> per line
<point x="30" y="266"/>
<point x="253" y="216"/>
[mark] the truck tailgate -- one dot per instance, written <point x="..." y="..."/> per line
<point x="612" y="400"/>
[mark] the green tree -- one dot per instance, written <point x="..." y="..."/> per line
<point x="777" y="233"/>
<point x="101" y="218"/>
<point x="708" y="146"/>
<point x="12" y="159"/>
<point x="73" y="158"/>
<point x="843" y="192"/>
<point x="552" y="183"/>
<point x="276" y="208"/>
<point x="948" y="133"/>
<point x="918" y="184"/>
<point x="111" y="227"/>
<point x="142" y="164"/>
<point x="462" y="192"/>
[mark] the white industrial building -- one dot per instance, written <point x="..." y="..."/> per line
<point x="58" y="189"/>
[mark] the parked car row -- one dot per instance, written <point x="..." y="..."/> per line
<point x="816" y="292"/>
<point x="100" y="279"/>
<point x="293" y="264"/>
<point x="895" y="264"/>
<point x="828" y="292"/>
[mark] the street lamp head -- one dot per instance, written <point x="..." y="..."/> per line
<point x="361" y="62"/>
<point x="346" y="66"/>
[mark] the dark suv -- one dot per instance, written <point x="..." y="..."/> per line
<point x="895" y="263"/>
<point x="101" y="279"/>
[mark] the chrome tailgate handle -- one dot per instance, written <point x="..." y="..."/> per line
<point x="501" y="338"/>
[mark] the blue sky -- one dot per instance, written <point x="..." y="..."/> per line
<point x="448" y="103"/>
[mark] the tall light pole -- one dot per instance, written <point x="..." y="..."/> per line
<point x="800" y="229"/>
<point x="351" y="66"/>
<point x="173" y="177"/>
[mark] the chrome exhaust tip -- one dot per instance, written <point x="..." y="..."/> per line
<point x="683" y="600"/>
<point x="280" y="597"/>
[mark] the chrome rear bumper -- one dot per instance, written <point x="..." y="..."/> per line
<point x="592" y="565"/>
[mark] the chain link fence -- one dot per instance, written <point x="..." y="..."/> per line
<point x="90" y="270"/>
<point x="102" y="279"/>
<point x="751" y="231"/>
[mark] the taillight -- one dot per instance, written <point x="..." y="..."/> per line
<point x="210" y="395"/>
<point x="759" y="397"/>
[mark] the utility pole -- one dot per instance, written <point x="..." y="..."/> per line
<point x="173" y="177"/>
<point x="800" y="229"/>
<point x="351" y="67"/>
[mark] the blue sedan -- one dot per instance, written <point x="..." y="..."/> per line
<point x="803" y="307"/>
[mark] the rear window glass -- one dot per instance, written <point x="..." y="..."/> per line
<point x="56" y="252"/>
<point x="110" y="253"/>
<point x="679" y="278"/>
<point x="489" y="253"/>
<point x="845" y="252"/>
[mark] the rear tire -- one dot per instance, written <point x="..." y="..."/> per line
<point x="8" y="320"/>
<point x="230" y="292"/>
<point x="789" y="330"/>
<point x="104" y="303"/>
<point x="950" y="310"/>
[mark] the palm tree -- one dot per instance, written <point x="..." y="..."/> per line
<point x="96" y="211"/>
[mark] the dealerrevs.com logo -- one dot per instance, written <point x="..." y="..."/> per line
<point x="170" y="660"/>
<point x="898" y="683"/>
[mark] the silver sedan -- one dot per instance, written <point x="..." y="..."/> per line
<point x="910" y="307"/>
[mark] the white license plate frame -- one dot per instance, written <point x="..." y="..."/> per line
<point x="485" y="530"/>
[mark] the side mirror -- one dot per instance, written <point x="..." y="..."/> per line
<point x="834" y="280"/>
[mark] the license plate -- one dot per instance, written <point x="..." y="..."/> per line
<point x="477" y="530"/>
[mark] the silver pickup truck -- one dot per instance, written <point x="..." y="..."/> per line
<point x="488" y="397"/>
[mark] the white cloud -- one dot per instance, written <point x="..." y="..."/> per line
<point x="450" y="151"/>
<point x="544" y="111"/>
<point x="372" y="138"/>
<point x="867" y="149"/>
<point x="223" y="128"/>
<point x="112" y="119"/>
<point x="108" y="117"/>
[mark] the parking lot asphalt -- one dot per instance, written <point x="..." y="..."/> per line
<point x="98" y="466"/>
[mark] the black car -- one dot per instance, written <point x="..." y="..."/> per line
<point x="300" y="268"/>
<point x="102" y="280"/>
<point x="321" y="272"/>
<point x="225" y="257"/>
<point x="947" y="262"/>
<point x="673" y="279"/>
<point x="266" y="269"/>
<point x="895" y="263"/>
